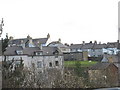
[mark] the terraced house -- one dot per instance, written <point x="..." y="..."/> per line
<point x="96" y="50"/>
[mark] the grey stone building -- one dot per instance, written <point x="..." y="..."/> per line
<point x="103" y="75"/>
<point x="42" y="59"/>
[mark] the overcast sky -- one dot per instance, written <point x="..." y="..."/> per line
<point x="73" y="21"/>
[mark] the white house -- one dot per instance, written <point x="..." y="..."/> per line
<point x="41" y="59"/>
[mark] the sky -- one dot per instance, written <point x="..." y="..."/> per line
<point x="73" y="21"/>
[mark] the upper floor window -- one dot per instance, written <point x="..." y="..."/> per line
<point x="39" y="53"/>
<point x="50" y="64"/>
<point x="39" y="64"/>
<point x="56" y="56"/>
<point x="56" y="63"/>
<point x="19" y="52"/>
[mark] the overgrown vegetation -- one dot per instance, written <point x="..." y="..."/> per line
<point x="12" y="76"/>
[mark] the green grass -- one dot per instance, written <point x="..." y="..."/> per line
<point x="83" y="63"/>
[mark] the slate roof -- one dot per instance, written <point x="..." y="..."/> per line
<point x="30" y="50"/>
<point x="41" y="40"/>
<point x="76" y="46"/>
<point x="99" y="46"/>
<point x="54" y="42"/>
<point x="57" y="44"/>
<point x="12" y="50"/>
<point x="112" y="45"/>
<point x="49" y="50"/>
<point x="100" y="66"/>
<point x="17" y="41"/>
<point x="88" y="46"/>
<point x="25" y="40"/>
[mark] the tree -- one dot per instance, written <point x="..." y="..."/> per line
<point x="5" y="43"/>
<point x="12" y="76"/>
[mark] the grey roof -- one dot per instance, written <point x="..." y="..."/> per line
<point x="17" y="41"/>
<point x="100" y="66"/>
<point x="57" y="44"/>
<point x="88" y="46"/>
<point x="25" y="40"/>
<point x="40" y="40"/>
<point x="112" y="45"/>
<point x="49" y="50"/>
<point x="99" y="46"/>
<point x="76" y="46"/>
<point x="12" y="50"/>
<point x="54" y="42"/>
<point x="30" y="50"/>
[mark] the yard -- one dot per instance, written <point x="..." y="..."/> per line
<point x="82" y="63"/>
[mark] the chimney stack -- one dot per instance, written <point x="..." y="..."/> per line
<point x="10" y="38"/>
<point x="59" y="40"/>
<point x="95" y="42"/>
<point x="83" y="42"/>
<point x="48" y="36"/>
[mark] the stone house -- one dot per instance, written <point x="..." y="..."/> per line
<point x="41" y="59"/>
<point x="103" y="75"/>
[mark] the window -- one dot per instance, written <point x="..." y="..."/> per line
<point x="56" y="56"/>
<point x="56" y="63"/>
<point x="50" y="64"/>
<point x="38" y="53"/>
<point x="19" y="52"/>
<point x="39" y="64"/>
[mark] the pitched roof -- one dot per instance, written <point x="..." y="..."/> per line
<point x="112" y="45"/>
<point x="76" y="46"/>
<point x="49" y="50"/>
<point x="100" y="66"/>
<point x="17" y="41"/>
<point x="12" y="50"/>
<point x="40" y="40"/>
<point x="30" y="50"/>
<point x="25" y="40"/>
<point x="88" y="46"/>
<point x="57" y="44"/>
<point x="99" y="46"/>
